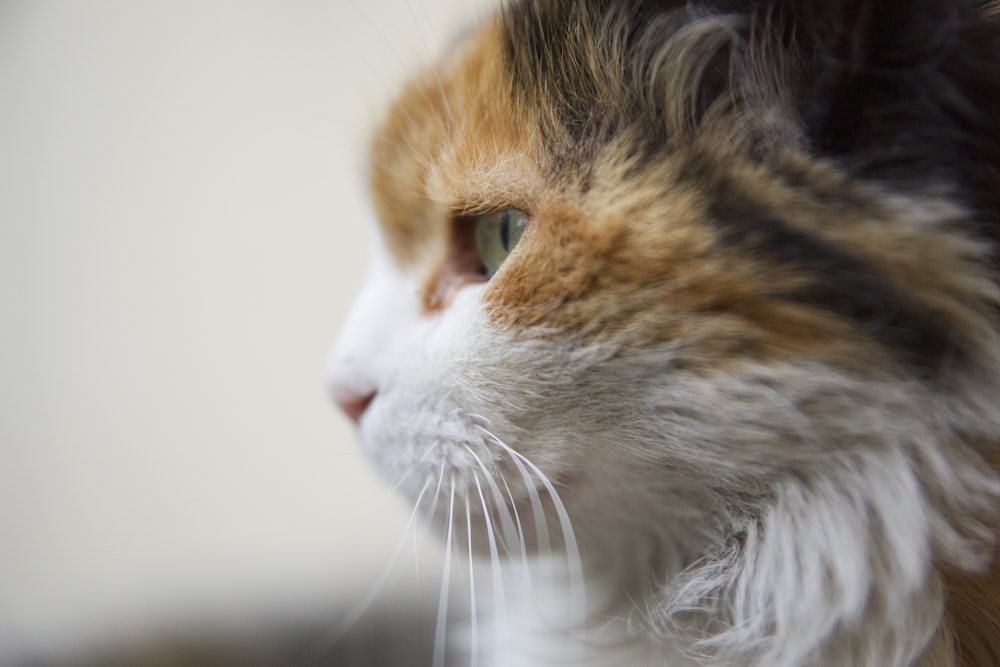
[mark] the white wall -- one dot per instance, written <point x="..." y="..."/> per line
<point x="182" y="227"/>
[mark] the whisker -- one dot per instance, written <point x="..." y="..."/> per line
<point x="574" y="560"/>
<point x="499" y="600"/>
<point x="406" y="62"/>
<point x="375" y="28"/>
<point x="410" y="469"/>
<point x="437" y="76"/>
<point x="538" y="512"/>
<point x="542" y="530"/>
<point x="442" y="613"/>
<point x="436" y="497"/>
<point x="339" y="631"/>
<point x="541" y="522"/>
<point x="473" y="620"/>
<point x="506" y="521"/>
<point x="520" y="532"/>
<point x="430" y="514"/>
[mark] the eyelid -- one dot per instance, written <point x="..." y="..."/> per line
<point x="471" y="210"/>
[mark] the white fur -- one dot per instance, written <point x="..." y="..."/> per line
<point x="760" y="515"/>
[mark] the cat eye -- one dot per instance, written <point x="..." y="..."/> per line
<point x="496" y="234"/>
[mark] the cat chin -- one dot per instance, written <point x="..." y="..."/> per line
<point x="459" y="482"/>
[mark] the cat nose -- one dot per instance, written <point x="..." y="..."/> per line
<point x="351" y="401"/>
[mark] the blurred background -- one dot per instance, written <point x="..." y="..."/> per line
<point x="182" y="228"/>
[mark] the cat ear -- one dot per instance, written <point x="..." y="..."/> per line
<point x="844" y="44"/>
<point x="906" y="91"/>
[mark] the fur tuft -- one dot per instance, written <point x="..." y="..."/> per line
<point x="741" y="372"/>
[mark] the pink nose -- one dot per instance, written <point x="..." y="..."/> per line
<point x="352" y="402"/>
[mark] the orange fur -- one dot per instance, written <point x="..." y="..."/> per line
<point x="711" y="244"/>
<point x="973" y="612"/>
<point x="972" y="608"/>
<point x="429" y="162"/>
<point x="459" y="141"/>
<point x="452" y="143"/>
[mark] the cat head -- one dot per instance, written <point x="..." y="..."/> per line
<point x="703" y="280"/>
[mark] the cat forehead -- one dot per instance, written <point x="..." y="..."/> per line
<point x="526" y="108"/>
<point x="648" y="220"/>
<point x="468" y="135"/>
<point x="454" y="140"/>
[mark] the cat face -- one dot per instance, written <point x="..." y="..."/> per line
<point x="535" y="381"/>
<point x="675" y="318"/>
<point x="652" y="272"/>
<point x="461" y="396"/>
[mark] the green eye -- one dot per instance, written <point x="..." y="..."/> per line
<point x="496" y="235"/>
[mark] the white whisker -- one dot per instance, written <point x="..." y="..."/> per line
<point x="391" y="47"/>
<point x="499" y="599"/>
<point x="575" y="562"/>
<point x="473" y="620"/>
<point x="437" y="76"/>
<point x="429" y="520"/>
<point x="340" y="631"/>
<point x="409" y="470"/>
<point x="541" y="522"/>
<point x="520" y="532"/>
<point x="436" y="496"/>
<point x="506" y="521"/>
<point x="442" y="613"/>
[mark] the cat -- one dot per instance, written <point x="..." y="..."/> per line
<point x="689" y="310"/>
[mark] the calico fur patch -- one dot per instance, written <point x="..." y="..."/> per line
<point x="749" y="332"/>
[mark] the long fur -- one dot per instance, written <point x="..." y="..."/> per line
<point x="743" y="367"/>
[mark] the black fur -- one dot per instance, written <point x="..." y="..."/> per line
<point x="841" y="283"/>
<point x="903" y="94"/>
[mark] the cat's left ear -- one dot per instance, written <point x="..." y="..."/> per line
<point x="913" y="78"/>
<point x="841" y="39"/>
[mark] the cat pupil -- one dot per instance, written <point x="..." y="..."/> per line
<point x="496" y="234"/>
<point x="505" y="230"/>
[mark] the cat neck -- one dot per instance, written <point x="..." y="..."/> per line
<point x="543" y="613"/>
